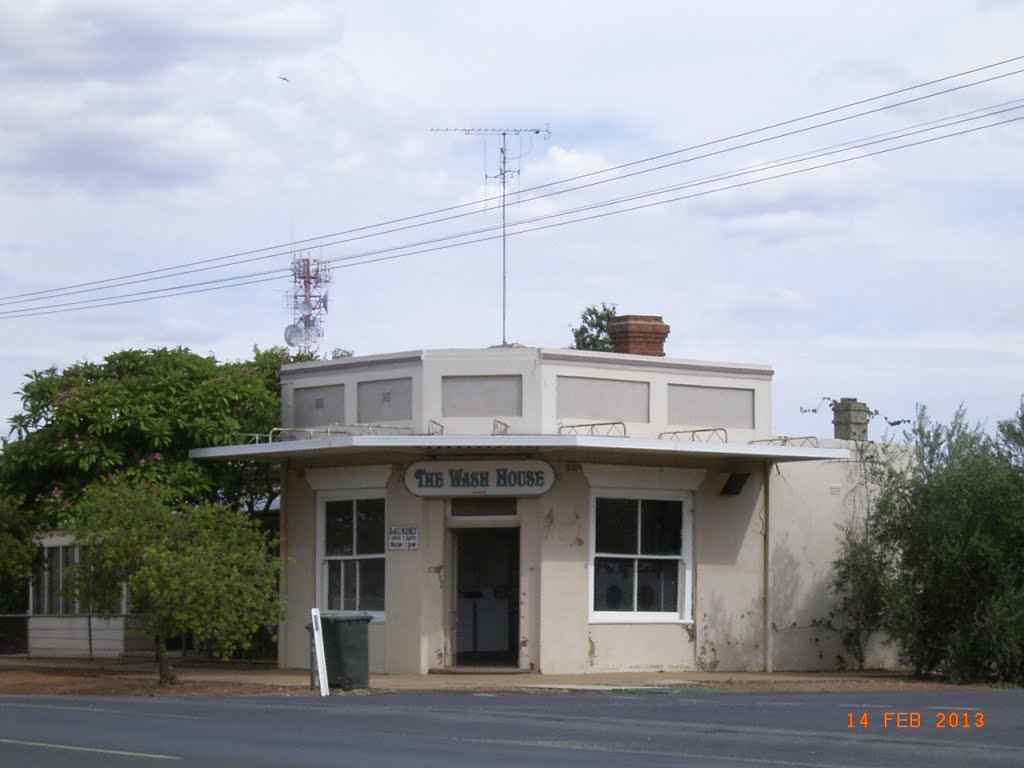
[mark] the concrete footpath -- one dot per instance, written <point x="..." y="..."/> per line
<point x="468" y="679"/>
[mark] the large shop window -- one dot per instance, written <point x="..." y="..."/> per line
<point x="641" y="559"/>
<point x="353" y="555"/>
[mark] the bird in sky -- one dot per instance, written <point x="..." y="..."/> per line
<point x="282" y="77"/>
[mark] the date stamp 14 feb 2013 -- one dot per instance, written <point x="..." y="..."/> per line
<point x="912" y="720"/>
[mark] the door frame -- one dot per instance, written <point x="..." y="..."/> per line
<point x="451" y="567"/>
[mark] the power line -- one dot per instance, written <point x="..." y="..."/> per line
<point x="352" y="260"/>
<point x="282" y="249"/>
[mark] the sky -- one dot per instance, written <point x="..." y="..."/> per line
<point x="146" y="136"/>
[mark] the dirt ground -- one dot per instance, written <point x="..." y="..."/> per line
<point x="63" y="682"/>
<point x="114" y="682"/>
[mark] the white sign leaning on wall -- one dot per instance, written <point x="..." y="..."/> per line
<point x="510" y="477"/>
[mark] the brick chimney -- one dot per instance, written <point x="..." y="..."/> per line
<point x="850" y="419"/>
<point x="638" y="335"/>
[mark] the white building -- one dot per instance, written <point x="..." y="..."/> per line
<point x="556" y="510"/>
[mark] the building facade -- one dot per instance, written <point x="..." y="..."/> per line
<point x="554" y="510"/>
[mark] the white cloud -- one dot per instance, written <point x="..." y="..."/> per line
<point x="137" y="136"/>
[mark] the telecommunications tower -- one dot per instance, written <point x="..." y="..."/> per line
<point x="308" y="302"/>
<point x="502" y="175"/>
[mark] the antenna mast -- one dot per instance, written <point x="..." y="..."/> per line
<point x="502" y="176"/>
<point x="308" y="302"/>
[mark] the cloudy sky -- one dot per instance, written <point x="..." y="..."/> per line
<point x="144" y="136"/>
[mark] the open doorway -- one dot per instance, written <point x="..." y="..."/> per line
<point x="487" y="601"/>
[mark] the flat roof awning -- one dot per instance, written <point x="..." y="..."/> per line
<point x="591" y="445"/>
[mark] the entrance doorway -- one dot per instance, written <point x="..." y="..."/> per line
<point x="487" y="596"/>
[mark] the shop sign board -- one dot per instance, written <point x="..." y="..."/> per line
<point x="492" y="477"/>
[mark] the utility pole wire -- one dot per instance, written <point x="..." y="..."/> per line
<point x="103" y="284"/>
<point x="339" y="263"/>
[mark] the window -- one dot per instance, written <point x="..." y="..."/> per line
<point x="50" y="587"/>
<point x="353" y="555"/>
<point x="641" y="562"/>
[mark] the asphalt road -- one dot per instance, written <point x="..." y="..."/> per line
<point x="683" y="727"/>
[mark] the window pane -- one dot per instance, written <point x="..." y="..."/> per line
<point x="371" y="584"/>
<point x="333" y="585"/>
<point x="39" y="590"/>
<point x="351" y="584"/>
<point x="369" y="526"/>
<point x="338" y="528"/>
<point x="83" y="565"/>
<point x="67" y="560"/>
<point x="53" y="580"/>
<point x="661" y="526"/>
<point x="616" y="526"/>
<point x="613" y="584"/>
<point x="657" y="585"/>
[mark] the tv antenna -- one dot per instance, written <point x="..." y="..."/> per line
<point x="503" y="173"/>
<point x="308" y="302"/>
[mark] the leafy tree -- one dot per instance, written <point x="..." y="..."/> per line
<point x="18" y="555"/>
<point x="134" y="415"/>
<point x="939" y="562"/>
<point x="138" y="413"/>
<point x="592" y="332"/>
<point x="205" y="569"/>
<point x="1012" y="433"/>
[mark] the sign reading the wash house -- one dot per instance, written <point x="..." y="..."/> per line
<point x="512" y="477"/>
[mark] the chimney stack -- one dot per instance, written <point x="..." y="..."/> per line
<point x="850" y="419"/>
<point x="638" y="335"/>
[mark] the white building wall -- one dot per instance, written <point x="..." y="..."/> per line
<point x="810" y="503"/>
<point x="412" y="591"/>
<point x="540" y="370"/>
<point x="430" y="587"/>
<point x="530" y="569"/>
<point x="68" y="636"/>
<point x="728" y="544"/>
<point x="564" y="639"/>
<point x="522" y="362"/>
<point x="658" y="374"/>
<point x="298" y="554"/>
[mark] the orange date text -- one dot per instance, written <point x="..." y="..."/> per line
<point x="914" y="720"/>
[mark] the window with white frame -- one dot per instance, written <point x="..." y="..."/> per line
<point x="352" y="546"/>
<point x="641" y="557"/>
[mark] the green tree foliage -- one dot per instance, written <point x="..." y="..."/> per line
<point x="136" y="414"/>
<point x="592" y="332"/>
<point x="939" y="562"/>
<point x="18" y="555"/>
<point x="205" y="569"/>
<point x="132" y="416"/>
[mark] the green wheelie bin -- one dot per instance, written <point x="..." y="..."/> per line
<point x="347" y="651"/>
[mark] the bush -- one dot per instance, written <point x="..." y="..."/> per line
<point x="938" y="564"/>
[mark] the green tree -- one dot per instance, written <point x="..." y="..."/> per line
<point x="138" y="413"/>
<point x="134" y="415"/>
<point x="939" y="562"/>
<point x="592" y="332"/>
<point x="18" y="555"/>
<point x="205" y="569"/>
